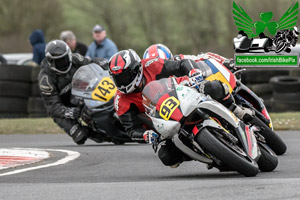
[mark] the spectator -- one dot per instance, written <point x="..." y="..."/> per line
<point x="102" y="47"/>
<point x="76" y="47"/>
<point x="37" y="41"/>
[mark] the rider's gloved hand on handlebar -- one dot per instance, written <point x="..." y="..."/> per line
<point x="73" y="113"/>
<point x="102" y="62"/>
<point x="195" y="77"/>
<point x="150" y="137"/>
<point x="229" y="63"/>
<point x="243" y="113"/>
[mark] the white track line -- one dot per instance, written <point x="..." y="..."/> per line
<point x="18" y="157"/>
<point x="72" y="155"/>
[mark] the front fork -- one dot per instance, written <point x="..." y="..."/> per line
<point x="244" y="133"/>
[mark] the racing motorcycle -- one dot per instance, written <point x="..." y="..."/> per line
<point x="93" y="90"/>
<point x="244" y="97"/>
<point x="204" y="129"/>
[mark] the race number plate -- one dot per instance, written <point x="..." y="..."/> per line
<point x="105" y="90"/>
<point x="167" y="107"/>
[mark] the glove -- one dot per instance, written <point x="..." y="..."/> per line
<point x="178" y="57"/>
<point x="73" y="113"/>
<point x="242" y="113"/>
<point x="195" y="77"/>
<point x="79" y="134"/>
<point x="102" y="62"/>
<point x="229" y="63"/>
<point x="151" y="137"/>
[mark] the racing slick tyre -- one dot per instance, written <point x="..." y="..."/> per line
<point x="268" y="160"/>
<point x="13" y="105"/>
<point x="36" y="105"/>
<point x="244" y="165"/>
<point x="15" y="73"/>
<point x="35" y="73"/>
<point x="35" y="90"/>
<point x="15" y="89"/>
<point x="284" y="106"/>
<point x="280" y="46"/>
<point x="285" y="84"/>
<point x="293" y="96"/>
<point x="272" y="139"/>
<point x="13" y="115"/>
<point x="261" y="89"/>
<point x="261" y="75"/>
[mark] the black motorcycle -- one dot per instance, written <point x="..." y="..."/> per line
<point x="94" y="91"/>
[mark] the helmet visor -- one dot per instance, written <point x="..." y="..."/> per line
<point x="126" y="77"/>
<point x="62" y="63"/>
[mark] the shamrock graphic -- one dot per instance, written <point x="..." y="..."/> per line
<point x="265" y="22"/>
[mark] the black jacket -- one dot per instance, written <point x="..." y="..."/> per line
<point x="80" y="48"/>
<point x="55" y="89"/>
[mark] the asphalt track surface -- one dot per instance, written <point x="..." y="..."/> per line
<point x="132" y="171"/>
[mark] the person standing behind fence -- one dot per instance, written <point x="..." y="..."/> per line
<point x="101" y="47"/>
<point x="37" y="41"/>
<point x="76" y="47"/>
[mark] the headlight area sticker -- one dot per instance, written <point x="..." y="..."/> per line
<point x="167" y="107"/>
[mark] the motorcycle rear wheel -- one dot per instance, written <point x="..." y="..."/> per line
<point x="268" y="160"/>
<point x="231" y="159"/>
<point x="272" y="139"/>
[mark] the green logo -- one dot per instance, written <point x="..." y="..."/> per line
<point x="179" y="88"/>
<point x="253" y="29"/>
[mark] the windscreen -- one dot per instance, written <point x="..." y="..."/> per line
<point x="153" y="91"/>
<point x="87" y="78"/>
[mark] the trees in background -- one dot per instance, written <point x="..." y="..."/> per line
<point x="19" y="18"/>
<point x="189" y="26"/>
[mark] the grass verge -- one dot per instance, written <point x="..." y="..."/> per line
<point x="281" y="121"/>
<point x="286" y="121"/>
<point x="29" y="126"/>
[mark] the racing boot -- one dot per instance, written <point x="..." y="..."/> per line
<point x="79" y="134"/>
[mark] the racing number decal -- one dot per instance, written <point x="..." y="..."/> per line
<point x="167" y="107"/>
<point x="105" y="90"/>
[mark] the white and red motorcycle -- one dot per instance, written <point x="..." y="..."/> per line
<point x="204" y="129"/>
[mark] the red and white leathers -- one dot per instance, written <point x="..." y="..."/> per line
<point x="128" y="106"/>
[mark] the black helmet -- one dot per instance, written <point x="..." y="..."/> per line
<point x="126" y="70"/>
<point x="59" y="56"/>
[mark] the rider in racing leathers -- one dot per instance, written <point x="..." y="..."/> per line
<point x="55" y="78"/>
<point x="130" y="75"/>
<point x="162" y="51"/>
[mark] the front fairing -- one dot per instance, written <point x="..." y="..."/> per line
<point x="92" y="84"/>
<point x="248" y="140"/>
<point x="167" y="103"/>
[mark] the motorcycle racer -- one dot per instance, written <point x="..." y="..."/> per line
<point x="55" y="78"/>
<point x="130" y="74"/>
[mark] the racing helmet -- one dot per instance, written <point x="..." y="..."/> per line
<point x="59" y="56"/>
<point x="158" y="51"/>
<point x="126" y="70"/>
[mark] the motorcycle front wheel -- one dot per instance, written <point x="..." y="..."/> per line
<point x="234" y="160"/>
